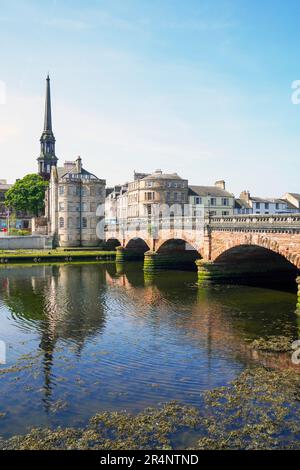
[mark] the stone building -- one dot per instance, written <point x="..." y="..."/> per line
<point x="74" y="201"/>
<point x="145" y="193"/>
<point x="214" y="199"/>
<point x="75" y="205"/>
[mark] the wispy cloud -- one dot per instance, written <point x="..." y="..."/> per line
<point x="68" y="24"/>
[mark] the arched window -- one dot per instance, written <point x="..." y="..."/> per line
<point x="84" y="222"/>
<point x="61" y="222"/>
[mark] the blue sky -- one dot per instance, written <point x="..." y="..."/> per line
<point x="198" y="87"/>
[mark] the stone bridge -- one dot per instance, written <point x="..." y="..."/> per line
<point x="248" y="247"/>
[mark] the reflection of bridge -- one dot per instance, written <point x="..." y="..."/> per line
<point x="224" y="247"/>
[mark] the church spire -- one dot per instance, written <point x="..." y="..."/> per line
<point x="48" y="118"/>
<point x="47" y="157"/>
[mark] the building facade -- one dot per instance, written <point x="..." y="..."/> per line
<point x="147" y="193"/>
<point x="214" y="200"/>
<point x="76" y="200"/>
<point x="247" y="204"/>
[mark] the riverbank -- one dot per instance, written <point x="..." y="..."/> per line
<point x="40" y="256"/>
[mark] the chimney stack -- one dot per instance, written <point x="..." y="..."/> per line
<point x="245" y="196"/>
<point x="78" y="164"/>
<point x="220" y="184"/>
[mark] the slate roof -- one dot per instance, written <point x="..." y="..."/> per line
<point x="208" y="191"/>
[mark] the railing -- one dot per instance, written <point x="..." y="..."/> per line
<point x="283" y="222"/>
<point x="280" y="223"/>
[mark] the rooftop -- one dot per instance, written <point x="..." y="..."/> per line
<point x="208" y="191"/>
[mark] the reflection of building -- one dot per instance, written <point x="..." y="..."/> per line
<point x="58" y="303"/>
<point x="212" y="198"/>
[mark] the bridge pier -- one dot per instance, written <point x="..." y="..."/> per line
<point x="124" y="254"/>
<point x="158" y="261"/>
<point x="210" y="273"/>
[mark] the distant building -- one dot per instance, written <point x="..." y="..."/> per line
<point x="73" y="199"/>
<point x="214" y="199"/>
<point x="18" y="220"/>
<point x="247" y="204"/>
<point x="293" y="200"/>
<point x="113" y="202"/>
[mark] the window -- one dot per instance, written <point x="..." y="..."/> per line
<point x="267" y="206"/>
<point x="149" y="184"/>
<point x="277" y="206"/>
<point x="149" y="196"/>
<point x="213" y="213"/>
<point x="175" y="196"/>
<point x="225" y="213"/>
<point x="198" y="200"/>
<point x="84" y="191"/>
<point x="93" y="206"/>
<point x="61" y="190"/>
<point x="61" y="222"/>
<point x="84" y="207"/>
<point x="84" y="222"/>
<point x="168" y="196"/>
<point x="213" y="201"/>
<point x="70" y="222"/>
<point x="61" y="206"/>
<point x="225" y="201"/>
<point x="257" y="205"/>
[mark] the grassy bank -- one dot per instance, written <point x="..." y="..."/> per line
<point x="39" y="256"/>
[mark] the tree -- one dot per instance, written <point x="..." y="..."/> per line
<point x="27" y="194"/>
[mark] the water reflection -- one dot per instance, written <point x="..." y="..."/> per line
<point x="110" y="337"/>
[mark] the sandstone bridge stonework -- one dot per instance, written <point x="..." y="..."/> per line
<point x="226" y="248"/>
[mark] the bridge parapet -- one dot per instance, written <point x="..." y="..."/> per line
<point x="285" y="223"/>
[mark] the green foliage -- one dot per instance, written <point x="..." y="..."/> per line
<point x="27" y="194"/>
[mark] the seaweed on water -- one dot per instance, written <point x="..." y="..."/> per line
<point x="258" y="410"/>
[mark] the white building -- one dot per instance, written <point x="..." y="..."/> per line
<point x="247" y="204"/>
<point x="214" y="199"/>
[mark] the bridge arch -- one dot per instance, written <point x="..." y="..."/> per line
<point x="221" y="246"/>
<point x="176" y="244"/>
<point x="139" y="245"/>
<point x="112" y="243"/>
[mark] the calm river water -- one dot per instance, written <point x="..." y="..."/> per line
<point x="87" y="337"/>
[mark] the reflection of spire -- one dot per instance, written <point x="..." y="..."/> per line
<point x="48" y="347"/>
